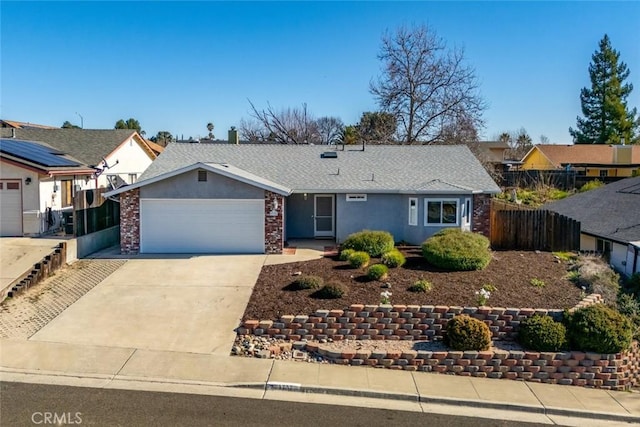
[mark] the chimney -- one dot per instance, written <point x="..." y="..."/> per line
<point x="13" y="133"/>
<point x="233" y="136"/>
<point x="622" y="154"/>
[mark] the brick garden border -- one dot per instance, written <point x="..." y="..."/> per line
<point x="423" y="323"/>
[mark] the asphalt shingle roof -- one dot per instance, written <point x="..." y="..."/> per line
<point x="87" y="145"/>
<point x="611" y="211"/>
<point x="380" y="168"/>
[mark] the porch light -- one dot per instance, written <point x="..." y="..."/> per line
<point x="27" y="180"/>
<point x="305" y="196"/>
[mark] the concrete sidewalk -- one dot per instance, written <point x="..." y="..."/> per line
<point x="169" y="371"/>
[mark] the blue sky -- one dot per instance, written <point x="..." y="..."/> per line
<point x="176" y="66"/>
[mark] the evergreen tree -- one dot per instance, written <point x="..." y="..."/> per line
<point x="607" y="118"/>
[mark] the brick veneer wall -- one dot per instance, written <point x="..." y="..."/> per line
<point x="130" y="222"/>
<point x="481" y="222"/>
<point x="273" y="223"/>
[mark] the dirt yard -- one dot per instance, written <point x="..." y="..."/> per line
<point x="511" y="272"/>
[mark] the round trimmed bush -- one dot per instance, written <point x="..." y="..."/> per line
<point x="393" y="259"/>
<point x="466" y="333"/>
<point x="307" y="282"/>
<point x="359" y="259"/>
<point x="331" y="290"/>
<point x="375" y="243"/>
<point x="378" y="272"/>
<point x="599" y="329"/>
<point x="421" y="285"/>
<point x="457" y="250"/>
<point x="542" y="333"/>
<point x="345" y="254"/>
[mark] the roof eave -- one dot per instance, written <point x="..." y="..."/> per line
<point x="273" y="187"/>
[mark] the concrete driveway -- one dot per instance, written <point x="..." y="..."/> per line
<point x="186" y="304"/>
<point x="19" y="254"/>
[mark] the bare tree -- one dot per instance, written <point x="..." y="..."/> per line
<point x="329" y="129"/>
<point x="252" y="130"/>
<point x="425" y="85"/>
<point x="288" y="126"/>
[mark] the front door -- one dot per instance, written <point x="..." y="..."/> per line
<point x="323" y="215"/>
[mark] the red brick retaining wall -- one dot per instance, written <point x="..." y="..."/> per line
<point x="618" y="371"/>
<point x="397" y="322"/>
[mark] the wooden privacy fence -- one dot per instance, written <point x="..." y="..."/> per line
<point x="92" y="212"/>
<point x="534" y="230"/>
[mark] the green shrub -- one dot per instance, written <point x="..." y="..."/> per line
<point x="467" y="333"/>
<point x="307" y="282"/>
<point x="359" y="259"/>
<point x="537" y="283"/>
<point x="345" y="254"/>
<point x="378" y="272"/>
<point x="591" y="185"/>
<point x="599" y="329"/>
<point x="542" y="333"/>
<point x="632" y="284"/>
<point x="331" y="290"/>
<point x="393" y="258"/>
<point x="421" y="285"/>
<point x="457" y="250"/>
<point x="375" y="243"/>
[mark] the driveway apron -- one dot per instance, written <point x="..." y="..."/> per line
<point x="187" y="304"/>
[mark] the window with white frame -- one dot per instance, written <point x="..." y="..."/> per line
<point x="467" y="212"/>
<point x="413" y="211"/>
<point x="441" y="212"/>
<point x="356" y="197"/>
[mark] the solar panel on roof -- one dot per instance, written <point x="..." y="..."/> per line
<point x="36" y="153"/>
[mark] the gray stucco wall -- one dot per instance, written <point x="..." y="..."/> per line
<point x="299" y="217"/>
<point x="93" y="242"/>
<point x="389" y="212"/>
<point x="187" y="186"/>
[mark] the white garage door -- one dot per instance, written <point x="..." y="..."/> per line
<point x="201" y="226"/>
<point x="10" y="208"/>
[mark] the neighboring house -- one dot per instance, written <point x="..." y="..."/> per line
<point x="586" y="159"/>
<point x="228" y="198"/>
<point x="496" y="154"/>
<point x="118" y="156"/>
<point x="12" y="124"/>
<point x="37" y="183"/>
<point x="610" y="221"/>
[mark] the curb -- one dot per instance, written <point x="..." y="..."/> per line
<point x="300" y="388"/>
<point x="471" y="403"/>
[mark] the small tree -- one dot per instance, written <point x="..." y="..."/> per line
<point x="210" y="127"/>
<point x="68" y="125"/>
<point x="129" y="124"/>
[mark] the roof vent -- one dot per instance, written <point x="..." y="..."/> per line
<point x="329" y="155"/>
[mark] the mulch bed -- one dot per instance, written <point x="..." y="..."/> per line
<point x="509" y="271"/>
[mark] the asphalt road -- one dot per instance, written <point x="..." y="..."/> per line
<point x="36" y="404"/>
